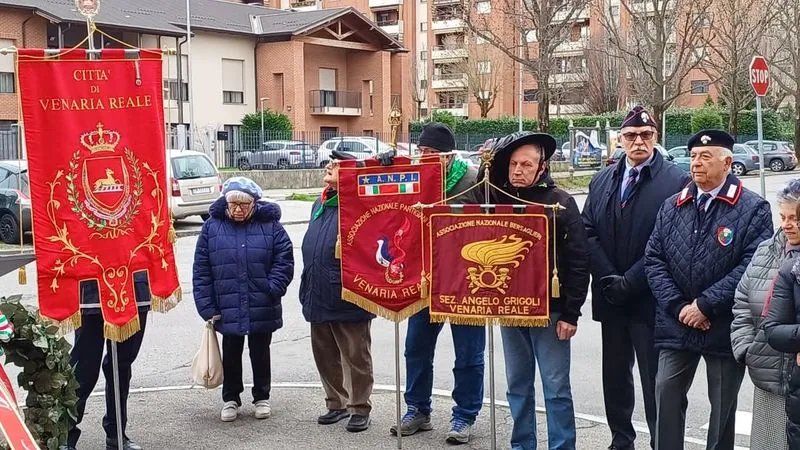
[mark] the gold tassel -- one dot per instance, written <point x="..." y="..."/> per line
<point x="23" y="276"/>
<point x="120" y="333"/>
<point x="423" y="286"/>
<point x="555" y="287"/>
<point x="172" y="237"/>
<point x="337" y="252"/>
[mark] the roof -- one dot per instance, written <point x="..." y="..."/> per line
<point x="168" y="17"/>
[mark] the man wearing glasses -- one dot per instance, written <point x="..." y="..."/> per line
<point x="619" y="215"/>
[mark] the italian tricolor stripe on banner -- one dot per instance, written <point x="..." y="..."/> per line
<point x="389" y="183"/>
<point x="378" y="189"/>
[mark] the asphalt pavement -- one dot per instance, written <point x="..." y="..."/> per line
<point x="165" y="415"/>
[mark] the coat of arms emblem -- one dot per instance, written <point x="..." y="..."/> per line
<point x="88" y="8"/>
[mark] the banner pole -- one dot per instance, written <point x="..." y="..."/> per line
<point x="397" y="383"/>
<point x="492" y="421"/>
<point x="117" y="405"/>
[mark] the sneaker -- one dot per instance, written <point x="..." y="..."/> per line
<point x="127" y="445"/>
<point x="357" y="423"/>
<point x="263" y="410"/>
<point x="333" y="416"/>
<point x="230" y="411"/>
<point x="459" y="432"/>
<point x="412" y="422"/>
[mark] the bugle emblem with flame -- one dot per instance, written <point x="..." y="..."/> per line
<point x="507" y="250"/>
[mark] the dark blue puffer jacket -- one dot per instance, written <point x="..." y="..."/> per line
<point x="688" y="259"/>
<point x="321" y="285"/>
<point x="242" y="270"/>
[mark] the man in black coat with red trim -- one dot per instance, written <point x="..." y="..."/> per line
<point x="619" y="215"/>
<point x="702" y="242"/>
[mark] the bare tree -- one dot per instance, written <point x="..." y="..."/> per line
<point x="660" y="41"/>
<point x="785" y="64"/>
<point x="604" y="79"/>
<point x="736" y="32"/>
<point x="482" y="70"/>
<point x="508" y="24"/>
<point x="417" y="84"/>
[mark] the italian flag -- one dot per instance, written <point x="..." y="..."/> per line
<point x="393" y="188"/>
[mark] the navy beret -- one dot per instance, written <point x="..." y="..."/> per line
<point x="711" y="138"/>
<point x="638" y="117"/>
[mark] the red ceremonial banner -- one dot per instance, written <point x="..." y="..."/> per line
<point x="380" y="233"/>
<point x="15" y="432"/>
<point x="94" y="131"/>
<point x="489" y="267"/>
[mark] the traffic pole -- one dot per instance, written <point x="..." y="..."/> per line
<point x="760" y="146"/>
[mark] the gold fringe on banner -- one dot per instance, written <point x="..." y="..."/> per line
<point x="172" y="236"/>
<point x="23" y="276"/>
<point x="482" y="321"/>
<point x="67" y="325"/>
<point x="522" y="322"/>
<point x="162" y="304"/>
<point x="388" y="314"/>
<point x="119" y="333"/>
<point x="459" y="320"/>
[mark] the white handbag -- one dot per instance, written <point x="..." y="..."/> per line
<point x="207" y="363"/>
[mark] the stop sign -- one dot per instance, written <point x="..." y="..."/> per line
<point x="759" y="75"/>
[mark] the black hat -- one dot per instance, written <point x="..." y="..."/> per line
<point x="711" y="138"/>
<point x="638" y="117"/>
<point x="341" y="156"/>
<point x="506" y="145"/>
<point x="438" y="137"/>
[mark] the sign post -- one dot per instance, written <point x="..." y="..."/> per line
<point x="759" y="79"/>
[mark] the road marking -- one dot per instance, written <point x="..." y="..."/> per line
<point x="638" y="426"/>
<point x="744" y="422"/>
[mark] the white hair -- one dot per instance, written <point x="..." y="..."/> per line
<point x="725" y="153"/>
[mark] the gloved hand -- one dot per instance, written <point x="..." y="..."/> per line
<point x="386" y="158"/>
<point x="615" y="289"/>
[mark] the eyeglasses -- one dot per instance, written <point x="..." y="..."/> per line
<point x="233" y="206"/>
<point x="645" y="135"/>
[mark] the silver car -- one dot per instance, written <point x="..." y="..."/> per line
<point x="745" y="159"/>
<point x="194" y="184"/>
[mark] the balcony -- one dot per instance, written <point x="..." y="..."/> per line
<point x="577" y="16"/>
<point x="449" y="81"/>
<point x="566" y="78"/>
<point x="441" y="52"/>
<point x="335" y="103"/>
<point x="568" y="110"/>
<point x="384" y="3"/>
<point x="306" y="5"/>
<point x="391" y="27"/>
<point x="456" y="109"/>
<point x="569" y="47"/>
<point x="447" y="24"/>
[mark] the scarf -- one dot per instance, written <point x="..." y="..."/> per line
<point x="329" y="198"/>
<point x="458" y="168"/>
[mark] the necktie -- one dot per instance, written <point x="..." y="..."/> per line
<point x="701" y="203"/>
<point x="632" y="174"/>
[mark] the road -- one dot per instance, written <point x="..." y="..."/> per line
<point x="172" y="340"/>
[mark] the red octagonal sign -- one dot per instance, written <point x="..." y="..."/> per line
<point x="759" y="76"/>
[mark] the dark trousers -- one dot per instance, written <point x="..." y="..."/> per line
<point x="342" y="354"/>
<point x="87" y="359"/>
<point x="232" y="348"/>
<point x="625" y="340"/>
<point x="676" y="371"/>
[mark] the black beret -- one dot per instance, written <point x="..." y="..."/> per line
<point x="506" y="145"/>
<point x="341" y="156"/>
<point x="638" y="117"/>
<point x="438" y="137"/>
<point x="711" y="138"/>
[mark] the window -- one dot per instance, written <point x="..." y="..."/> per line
<point x="172" y="90"/>
<point x="699" y="87"/>
<point x="7" y="83"/>
<point x="484" y="7"/>
<point x="383" y="18"/>
<point x="484" y="67"/>
<point x="530" y="95"/>
<point x="423" y="26"/>
<point x="232" y="81"/>
<point x="584" y="33"/>
<point x="423" y="84"/>
<point x="530" y="36"/>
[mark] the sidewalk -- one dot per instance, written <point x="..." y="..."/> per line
<point x="189" y="419"/>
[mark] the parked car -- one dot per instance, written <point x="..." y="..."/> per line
<point x="620" y="152"/>
<point x="194" y="185"/>
<point x="278" y="155"/>
<point x="15" y="200"/>
<point x="361" y="146"/>
<point x="745" y="159"/>
<point x="468" y="157"/>
<point x="778" y="155"/>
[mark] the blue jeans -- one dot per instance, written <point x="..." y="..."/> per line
<point x="469" y="343"/>
<point x="522" y="348"/>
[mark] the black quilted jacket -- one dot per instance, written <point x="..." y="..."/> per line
<point x="688" y="258"/>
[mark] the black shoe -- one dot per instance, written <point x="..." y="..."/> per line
<point x="357" y="423"/>
<point x="614" y="447"/>
<point x="333" y="416"/>
<point x="128" y="445"/>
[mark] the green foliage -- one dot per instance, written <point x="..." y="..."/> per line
<point x="705" y="118"/>
<point x="47" y="374"/>
<point x="298" y="196"/>
<point x="709" y="101"/>
<point x="273" y="122"/>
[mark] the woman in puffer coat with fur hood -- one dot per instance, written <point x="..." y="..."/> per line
<point x="766" y="365"/>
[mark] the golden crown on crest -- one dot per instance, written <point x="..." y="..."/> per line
<point x="100" y="140"/>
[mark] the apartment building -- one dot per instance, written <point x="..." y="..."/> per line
<point x="331" y="71"/>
